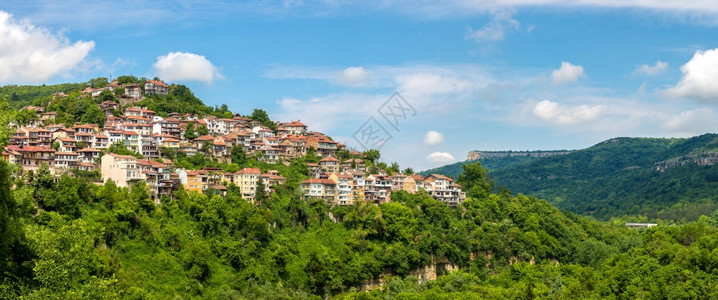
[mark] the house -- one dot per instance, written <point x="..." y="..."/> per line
<point x="193" y="180"/>
<point x="65" y="160"/>
<point x="169" y="126"/>
<point x="219" y="148"/>
<point x="358" y="185"/>
<point x="39" y="137"/>
<point x="109" y="107"/>
<point x="171" y="143"/>
<point x="314" y="169"/>
<point x="418" y="181"/>
<point x="295" y="127"/>
<point x="114" y="137"/>
<point x="133" y="90"/>
<point x="88" y="155"/>
<point x="122" y="169"/>
<point x="187" y="148"/>
<point x="377" y="188"/>
<point x="442" y="188"/>
<point x="12" y="156"/>
<point x="272" y="178"/>
<point x="131" y="140"/>
<point x="32" y="157"/>
<point x="269" y="154"/>
<point x="329" y="164"/>
<point x="148" y="148"/>
<point x="319" y="189"/>
<point x="101" y="141"/>
<point x="403" y="183"/>
<point x="322" y="145"/>
<point x="246" y="180"/>
<point x="344" y="187"/>
<point x="156" y="87"/>
<point x="66" y="144"/>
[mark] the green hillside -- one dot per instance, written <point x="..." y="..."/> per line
<point x="72" y="239"/>
<point x="619" y="176"/>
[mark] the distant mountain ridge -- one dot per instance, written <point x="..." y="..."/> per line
<point x="652" y="176"/>
<point x="475" y="154"/>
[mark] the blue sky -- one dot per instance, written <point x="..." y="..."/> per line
<point x="487" y="75"/>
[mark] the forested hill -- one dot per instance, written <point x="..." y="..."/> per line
<point x="74" y="105"/>
<point x="625" y="176"/>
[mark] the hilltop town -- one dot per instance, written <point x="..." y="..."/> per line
<point x="138" y="145"/>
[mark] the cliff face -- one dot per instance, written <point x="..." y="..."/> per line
<point x="474" y="155"/>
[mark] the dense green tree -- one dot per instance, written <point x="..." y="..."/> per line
<point x="238" y="155"/>
<point x="94" y="115"/>
<point x="475" y="180"/>
<point x="126" y="79"/>
<point x="25" y="116"/>
<point x="98" y="82"/>
<point x="262" y="117"/>
<point x="189" y="132"/>
<point x="107" y="95"/>
<point x="260" y="196"/>
<point x="202" y="130"/>
<point x="372" y="155"/>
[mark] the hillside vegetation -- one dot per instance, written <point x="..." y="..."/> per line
<point x="70" y="238"/>
<point x="620" y="176"/>
<point x="73" y="239"/>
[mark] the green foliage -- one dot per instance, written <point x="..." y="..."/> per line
<point x="119" y="148"/>
<point x="98" y="82"/>
<point x="6" y="116"/>
<point x="180" y="99"/>
<point x="261" y="116"/>
<point x="619" y="177"/>
<point x="202" y="130"/>
<point x="475" y="181"/>
<point x="116" y="243"/>
<point x="38" y="95"/>
<point x="189" y="132"/>
<point x="372" y="155"/>
<point x="238" y="155"/>
<point x="127" y="79"/>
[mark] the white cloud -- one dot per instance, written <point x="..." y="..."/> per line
<point x="430" y="84"/>
<point x="433" y="138"/>
<point x="496" y="29"/>
<point x="353" y="76"/>
<point x="659" y="67"/>
<point x="440" y="157"/>
<point x="700" y="75"/>
<point x="567" y="73"/>
<point x="30" y="54"/>
<point x="692" y="122"/>
<point x="567" y="115"/>
<point x="182" y="66"/>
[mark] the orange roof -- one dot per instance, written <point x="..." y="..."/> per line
<point x="205" y="138"/>
<point x="329" y="158"/>
<point x="317" y="180"/>
<point x="249" y="171"/>
<point x="33" y="149"/>
<point x="66" y="153"/>
<point x="295" y="124"/>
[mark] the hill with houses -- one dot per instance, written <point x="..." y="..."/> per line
<point x="198" y="149"/>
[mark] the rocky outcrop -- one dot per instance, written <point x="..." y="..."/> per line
<point x="474" y="155"/>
